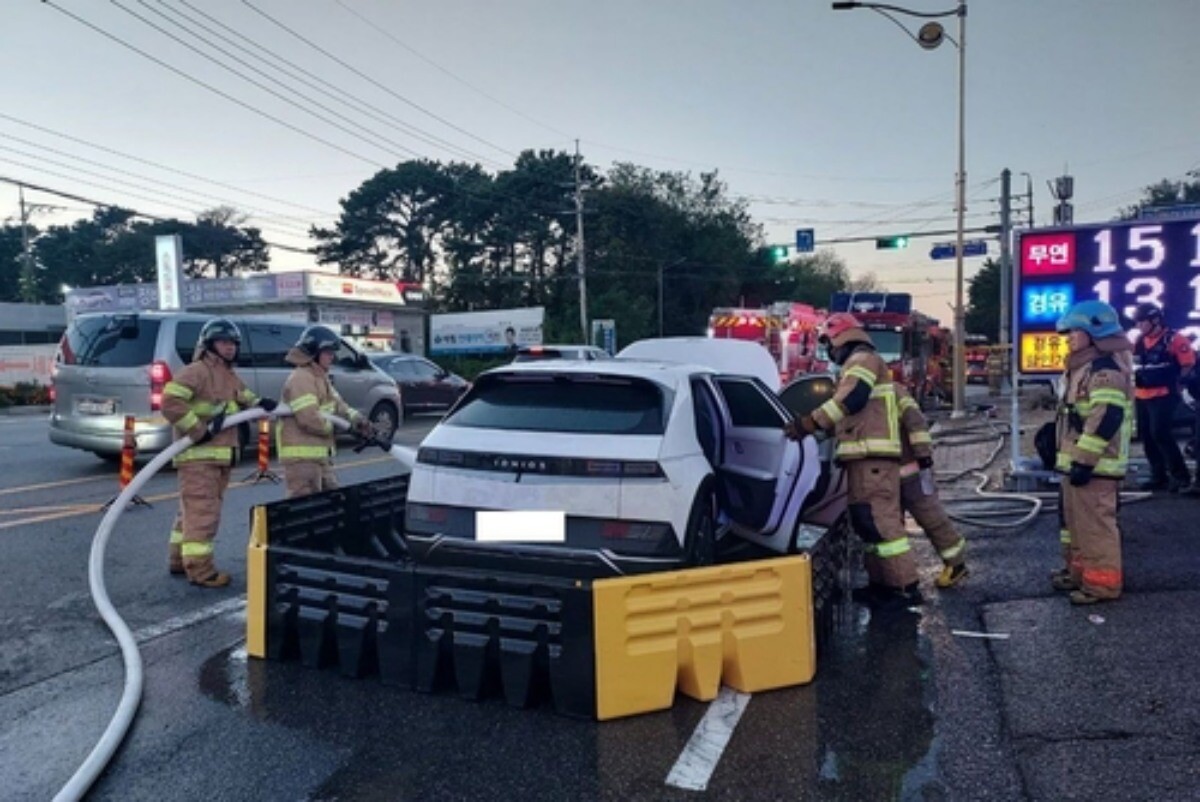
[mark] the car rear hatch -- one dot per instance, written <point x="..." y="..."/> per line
<point x="548" y="442"/>
<point x="106" y="371"/>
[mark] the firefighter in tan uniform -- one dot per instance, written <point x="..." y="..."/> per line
<point x="918" y="493"/>
<point x="196" y="403"/>
<point x="305" y="442"/>
<point x="864" y="418"/>
<point x="1094" y="426"/>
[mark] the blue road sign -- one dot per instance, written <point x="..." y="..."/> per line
<point x="804" y="240"/>
<point x="971" y="247"/>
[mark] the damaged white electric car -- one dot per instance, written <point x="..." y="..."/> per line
<point x="650" y="458"/>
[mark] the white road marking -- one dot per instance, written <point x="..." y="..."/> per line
<point x="698" y="760"/>
<point x="227" y="607"/>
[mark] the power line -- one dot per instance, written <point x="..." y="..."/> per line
<point x="163" y="167"/>
<point x="372" y="81"/>
<point x="379" y="29"/>
<point x="171" y="204"/>
<point x="210" y="87"/>
<point x="338" y="94"/>
<point x="262" y="214"/>
<point x="103" y="205"/>
<point x="390" y="146"/>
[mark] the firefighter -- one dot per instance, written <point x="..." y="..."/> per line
<point x="196" y="403"/>
<point x="918" y="492"/>
<point x="864" y="418"/>
<point x="305" y="441"/>
<point x="1163" y="356"/>
<point x="1093" y="431"/>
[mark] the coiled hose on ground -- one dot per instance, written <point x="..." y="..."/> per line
<point x="131" y="696"/>
<point x="995" y="509"/>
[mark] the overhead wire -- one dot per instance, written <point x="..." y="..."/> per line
<point x="383" y="87"/>
<point x="389" y="146"/>
<point x="334" y="92"/>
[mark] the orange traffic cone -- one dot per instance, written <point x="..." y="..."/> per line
<point x="264" y="455"/>
<point x="128" y="451"/>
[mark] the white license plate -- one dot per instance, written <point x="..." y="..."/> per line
<point x="96" y="406"/>
<point x="520" y="527"/>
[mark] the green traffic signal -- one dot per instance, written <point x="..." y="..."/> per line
<point x="779" y="253"/>
<point x="890" y="243"/>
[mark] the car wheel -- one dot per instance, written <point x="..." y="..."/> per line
<point x="700" y="539"/>
<point x="385" y="419"/>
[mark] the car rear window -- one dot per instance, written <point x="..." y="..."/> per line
<point x="583" y="405"/>
<point x="110" y="341"/>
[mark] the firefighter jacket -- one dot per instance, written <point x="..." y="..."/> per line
<point x="863" y="412"/>
<point x="306" y="435"/>
<point x="191" y="399"/>
<point x="1095" y="419"/>
<point x="915" y="441"/>
<point x="1162" y="358"/>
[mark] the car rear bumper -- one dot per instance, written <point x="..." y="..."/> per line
<point x="105" y="437"/>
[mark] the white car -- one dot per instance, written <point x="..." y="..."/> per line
<point x="649" y="461"/>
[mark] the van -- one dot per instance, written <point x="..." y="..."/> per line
<point x="111" y="365"/>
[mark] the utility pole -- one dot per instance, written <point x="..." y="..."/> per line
<point x="960" y="322"/>
<point x="1005" y="252"/>
<point x="1029" y="198"/>
<point x="580" y="259"/>
<point x="28" y="277"/>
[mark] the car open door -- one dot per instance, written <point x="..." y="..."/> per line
<point x="827" y="501"/>
<point x="759" y="469"/>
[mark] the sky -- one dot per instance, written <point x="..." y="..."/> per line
<point x="827" y="120"/>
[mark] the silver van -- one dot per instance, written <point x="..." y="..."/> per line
<point x="111" y="365"/>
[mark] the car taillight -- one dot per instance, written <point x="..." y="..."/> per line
<point x="633" y="530"/>
<point x="635" y="468"/>
<point x="426" y="513"/>
<point x="160" y="374"/>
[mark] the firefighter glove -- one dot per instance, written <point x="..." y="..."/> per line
<point x="924" y="463"/>
<point x="214" y="426"/>
<point x="268" y="404"/>
<point x="364" y="428"/>
<point x="797" y="428"/>
<point x="1080" y="474"/>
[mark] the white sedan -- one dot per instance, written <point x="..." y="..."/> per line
<point x="643" y="464"/>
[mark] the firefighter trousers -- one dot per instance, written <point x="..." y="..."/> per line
<point x="930" y="515"/>
<point x="305" y="477"/>
<point x="175" y="544"/>
<point x="874" y="508"/>
<point x="201" y="493"/>
<point x="1155" y="423"/>
<point x="1091" y="537"/>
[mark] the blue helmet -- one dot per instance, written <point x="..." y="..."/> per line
<point x="1095" y="317"/>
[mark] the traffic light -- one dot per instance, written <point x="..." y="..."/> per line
<point x="778" y="253"/>
<point x="890" y="243"/>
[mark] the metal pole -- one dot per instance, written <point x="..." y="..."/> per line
<point x="1005" y="251"/>
<point x="579" y="254"/>
<point x="1029" y="197"/>
<point x="660" y="299"/>
<point x="27" y="285"/>
<point x="960" y="337"/>
<point x="1014" y="406"/>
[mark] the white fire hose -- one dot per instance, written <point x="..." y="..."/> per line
<point x="131" y="697"/>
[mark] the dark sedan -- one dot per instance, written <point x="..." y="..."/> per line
<point x="423" y="385"/>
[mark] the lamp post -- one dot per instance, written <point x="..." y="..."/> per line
<point x="929" y="37"/>
<point x="661" y="269"/>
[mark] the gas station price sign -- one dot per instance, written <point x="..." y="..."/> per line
<point x="1122" y="263"/>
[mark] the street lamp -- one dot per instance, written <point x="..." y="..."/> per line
<point x="661" y="269"/>
<point x="929" y="37"/>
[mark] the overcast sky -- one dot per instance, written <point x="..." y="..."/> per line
<point x="829" y="120"/>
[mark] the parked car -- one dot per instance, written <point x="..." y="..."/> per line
<point x="536" y="353"/>
<point x="651" y="462"/>
<point x="424" y="385"/>
<point x="111" y="365"/>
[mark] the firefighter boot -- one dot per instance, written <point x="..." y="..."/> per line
<point x="1082" y="597"/>
<point x="1062" y="580"/>
<point x="215" y="580"/>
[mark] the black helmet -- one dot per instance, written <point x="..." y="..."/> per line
<point x="1146" y="311"/>
<point x="215" y="330"/>
<point x="316" y="339"/>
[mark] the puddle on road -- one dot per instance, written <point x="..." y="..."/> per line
<point x="864" y="729"/>
<point x="874" y="708"/>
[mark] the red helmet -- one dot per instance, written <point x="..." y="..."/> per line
<point x="841" y="327"/>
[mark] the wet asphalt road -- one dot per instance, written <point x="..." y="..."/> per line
<point x="900" y="709"/>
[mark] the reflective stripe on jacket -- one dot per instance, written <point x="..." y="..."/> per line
<point x="306" y="435"/>
<point x="915" y="440"/>
<point x="191" y="399"/>
<point x="1100" y="393"/>
<point x="863" y="412"/>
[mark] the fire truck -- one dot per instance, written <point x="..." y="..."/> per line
<point x="913" y="344"/>
<point x="787" y="330"/>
